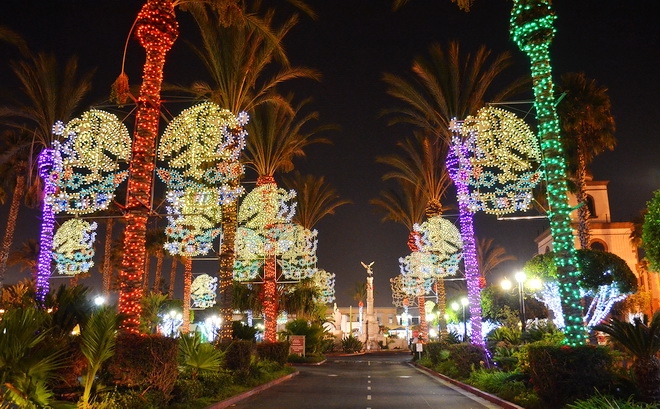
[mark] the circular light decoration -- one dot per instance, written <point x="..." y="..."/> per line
<point x="504" y="157"/>
<point x="91" y="150"/>
<point x="266" y="205"/>
<point x="325" y="282"/>
<point x="73" y="246"/>
<point x="202" y="146"/>
<point x="405" y="289"/>
<point x="202" y="291"/>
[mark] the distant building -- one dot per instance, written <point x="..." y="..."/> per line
<point x="613" y="237"/>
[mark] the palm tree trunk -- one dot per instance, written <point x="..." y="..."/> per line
<point x="42" y="285"/>
<point x="11" y="223"/>
<point x="170" y="293"/>
<point x="583" y="210"/>
<point x="187" y="283"/>
<point x="270" y="299"/>
<point x="442" y="306"/>
<point x="227" y="256"/>
<point x="107" y="253"/>
<point x="145" y="277"/>
<point x="159" y="271"/>
<point x="532" y="29"/>
<point x="423" y="325"/>
<point x="157" y="29"/>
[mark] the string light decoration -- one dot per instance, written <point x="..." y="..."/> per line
<point x="324" y="281"/>
<point x="532" y="29"/>
<point x="404" y="291"/>
<point x="202" y="146"/>
<point x="156" y="29"/>
<point x="493" y="161"/>
<point x="202" y="291"/>
<point x="48" y="160"/>
<point x="436" y="245"/>
<point x="73" y="246"/>
<point x="266" y="239"/>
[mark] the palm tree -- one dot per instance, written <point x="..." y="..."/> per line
<point x="238" y="57"/>
<point x="449" y="85"/>
<point x="277" y="135"/>
<point x="421" y="164"/>
<point x="490" y="256"/>
<point x="26" y="256"/>
<point x="586" y="120"/>
<point x="462" y="4"/>
<point x="316" y="198"/>
<point x="48" y="94"/>
<point x="97" y="343"/>
<point x="155" y="240"/>
<point x="643" y="342"/>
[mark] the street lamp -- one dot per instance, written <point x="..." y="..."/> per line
<point x="533" y="283"/>
<point x="463" y="305"/>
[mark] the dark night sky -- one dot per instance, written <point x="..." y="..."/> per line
<point x="352" y="43"/>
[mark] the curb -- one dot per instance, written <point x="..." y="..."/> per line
<point x="491" y="398"/>
<point x="228" y="402"/>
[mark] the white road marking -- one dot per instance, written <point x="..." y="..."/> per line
<point x="368" y="397"/>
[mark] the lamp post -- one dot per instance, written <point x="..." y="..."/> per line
<point x="532" y="283"/>
<point x="455" y="306"/>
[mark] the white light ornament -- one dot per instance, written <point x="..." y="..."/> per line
<point x="73" y="246"/>
<point x="325" y="282"/>
<point x="203" y="291"/>
<point x="89" y="173"/>
<point x="502" y="161"/>
<point x="202" y="146"/>
<point x="404" y="291"/>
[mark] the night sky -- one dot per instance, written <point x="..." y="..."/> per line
<point x="352" y="43"/>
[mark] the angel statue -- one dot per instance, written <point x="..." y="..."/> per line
<point x="370" y="272"/>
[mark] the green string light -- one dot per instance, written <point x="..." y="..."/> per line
<point x="532" y="29"/>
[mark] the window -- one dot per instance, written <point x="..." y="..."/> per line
<point x="591" y="206"/>
<point x="598" y="245"/>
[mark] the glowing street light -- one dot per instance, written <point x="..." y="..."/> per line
<point x="533" y="283"/>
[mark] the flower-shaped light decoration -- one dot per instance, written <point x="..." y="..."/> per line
<point x="73" y="246"/>
<point x="325" y="282"/>
<point x="202" y="146"/>
<point x="265" y="215"/>
<point x="505" y="159"/>
<point x="202" y="291"/>
<point x="405" y="290"/>
<point x="438" y="244"/>
<point x="92" y="147"/>
<point x="493" y="161"/>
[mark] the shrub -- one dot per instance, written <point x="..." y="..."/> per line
<point x="144" y="362"/>
<point x="314" y="334"/>
<point x="436" y="352"/>
<point x="506" y="385"/>
<point x="213" y="382"/>
<point x="351" y="345"/>
<point x="273" y="351"/>
<point x="186" y="389"/>
<point x="563" y="374"/>
<point x="242" y="331"/>
<point x="466" y="358"/>
<point x="238" y="356"/>
<point x="599" y="401"/>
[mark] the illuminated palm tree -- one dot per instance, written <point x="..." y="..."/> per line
<point x="421" y="164"/>
<point x="26" y="257"/>
<point x="449" y="84"/>
<point x="586" y="120"/>
<point x="48" y="93"/>
<point x="239" y="59"/>
<point x="277" y="135"/>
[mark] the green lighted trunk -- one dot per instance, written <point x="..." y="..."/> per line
<point x="532" y="29"/>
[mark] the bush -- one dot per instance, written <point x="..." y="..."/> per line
<point x="133" y="399"/>
<point x="466" y="358"/>
<point x="599" y="401"/>
<point x="563" y="374"/>
<point x="314" y="334"/>
<point x="506" y="385"/>
<point x="214" y="382"/>
<point x="186" y="389"/>
<point x="144" y="362"/>
<point x="274" y="351"/>
<point x="242" y="331"/>
<point x="351" y="345"/>
<point x="238" y="356"/>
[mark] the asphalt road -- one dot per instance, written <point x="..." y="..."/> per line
<point x="373" y="381"/>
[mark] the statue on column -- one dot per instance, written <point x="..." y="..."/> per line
<point x="372" y="335"/>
